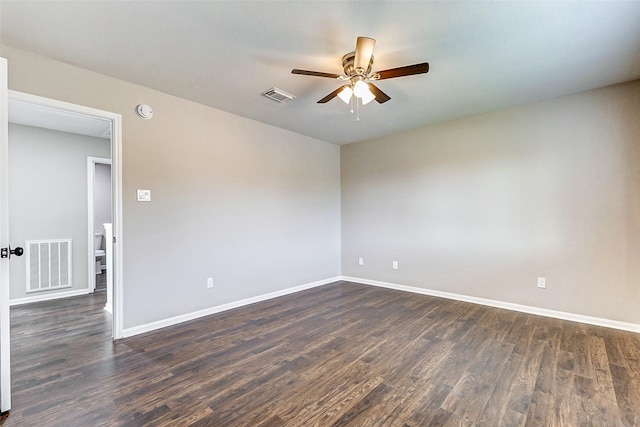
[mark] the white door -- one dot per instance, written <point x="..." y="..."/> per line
<point x="5" y="353"/>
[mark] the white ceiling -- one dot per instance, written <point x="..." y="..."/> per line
<point x="484" y="55"/>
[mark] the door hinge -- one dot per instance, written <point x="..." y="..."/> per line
<point x="4" y="252"/>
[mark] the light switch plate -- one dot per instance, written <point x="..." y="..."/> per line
<point x="144" y="195"/>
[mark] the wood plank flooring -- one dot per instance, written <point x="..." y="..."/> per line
<point x="342" y="354"/>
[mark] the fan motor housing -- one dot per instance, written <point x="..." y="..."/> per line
<point x="349" y="69"/>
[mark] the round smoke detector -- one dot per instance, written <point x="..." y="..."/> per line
<point x="144" y="111"/>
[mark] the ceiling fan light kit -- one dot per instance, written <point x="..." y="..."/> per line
<point x="358" y="72"/>
<point x="361" y="90"/>
<point x="345" y="94"/>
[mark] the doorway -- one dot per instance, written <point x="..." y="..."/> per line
<point x="60" y="114"/>
<point x="99" y="210"/>
<point x="7" y="250"/>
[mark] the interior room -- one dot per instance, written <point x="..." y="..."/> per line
<point x="52" y="167"/>
<point x="338" y="213"/>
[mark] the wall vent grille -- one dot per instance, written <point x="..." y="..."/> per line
<point x="278" y="95"/>
<point x="48" y="264"/>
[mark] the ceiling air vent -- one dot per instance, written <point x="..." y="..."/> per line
<point x="278" y="95"/>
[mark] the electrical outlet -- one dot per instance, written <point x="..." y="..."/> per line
<point x="394" y="265"/>
<point x="542" y="282"/>
<point x="360" y="261"/>
<point x="209" y="282"/>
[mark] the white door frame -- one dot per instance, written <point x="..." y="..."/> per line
<point x="91" y="175"/>
<point x="5" y="318"/>
<point x="116" y="189"/>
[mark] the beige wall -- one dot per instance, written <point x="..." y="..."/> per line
<point x="253" y="206"/>
<point x="480" y="206"/>
<point x="483" y="206"/>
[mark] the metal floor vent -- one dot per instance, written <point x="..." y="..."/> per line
<point x="278" y="95"/>
<point x="48" y="264"/>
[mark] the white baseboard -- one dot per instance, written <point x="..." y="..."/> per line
<point x="48" y="297"/>
<point x="148" y="327"/>
<point x="597" y="321"/>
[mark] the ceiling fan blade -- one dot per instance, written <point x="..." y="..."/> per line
<point x="380" y="95"/>
<point x="315" y="73"/>
<point x="408" y="70"/>
<point x="330" y="96"/>
<point x="364" y="51"/>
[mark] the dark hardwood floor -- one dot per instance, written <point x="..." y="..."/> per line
<point x="341" y="354"/>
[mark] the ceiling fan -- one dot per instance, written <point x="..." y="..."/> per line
<point x="359" y="76"/>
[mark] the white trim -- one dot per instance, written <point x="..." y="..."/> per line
<point x="597" y="321"/>
<point x="48" y="297"/>
<point x="148" y="327"/>
<point x="5" y="319"/>
<point x="116" y="188"/>
<point x="117" y="223"/>
<point x="108" y="234"/>
<point x="91" y="175"/>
